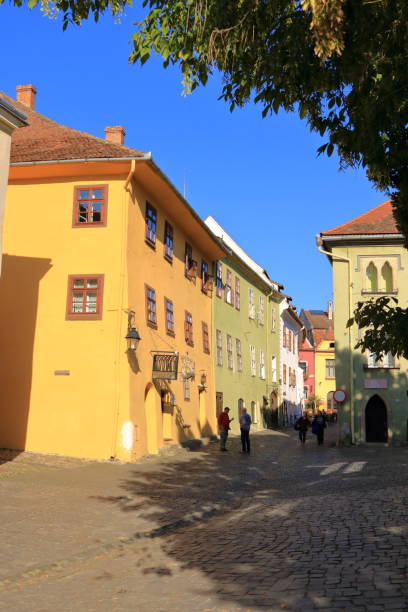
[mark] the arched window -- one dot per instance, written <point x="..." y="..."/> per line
<point x="372" y="277"/>
<point x="386" y="273"/>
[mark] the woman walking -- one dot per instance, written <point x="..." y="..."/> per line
<point x="318" y="427"/>
<point x="302" y="425"/>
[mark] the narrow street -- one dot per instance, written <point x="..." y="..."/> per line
<point x="314" y="528"/>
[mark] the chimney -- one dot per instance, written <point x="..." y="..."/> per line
<point x="330" y="310"/>
<point x="115" y="134"/>
<point x="26" y="95"/>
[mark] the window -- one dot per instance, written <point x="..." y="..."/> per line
<point x="290" y="377"/>
<point x="229" y="295"/>
<point x="230" y="361"/>
<point x="90" y="204"/>
<point x="274" y="370"/>
<point x="204" y="276"/>
<point x="168" y="241"/>
<point x="84" y="297"/>
<point x="284" y="337"/>
<point x="295" y="340"/>
<point x="151" y="313"/>
<point x="389" y="360"/>
<point x="237" y="293"/>
<point x="373" y="362"/>
<point x="372" y="277"/>
<point x="273" y="318"/>
<point x="303" y="365"/>
<point x="284" y="374"/>
<point x="252" y="353"/>
<point x="151" y="224"/>
<point x="239" y="354"/>
<point x="386" y="275"/>
<point x="190" y="269"/>
<point x="305" y="392"/>
<point x="262" y="364"/>
<point x="261" y="309"/>
<point x="251" y="313"/>
<point x="330" y="368"/>
<point x="206" y="339"/>
<point x="169" y="316"/>
<point x="188" y="328"/>
<point x="218" y="336"/>
<point x="218" y="279"/>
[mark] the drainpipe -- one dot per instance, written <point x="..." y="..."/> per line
<point x="319" y="243"/>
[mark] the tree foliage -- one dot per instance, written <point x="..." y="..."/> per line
<point x="385" y="326"/>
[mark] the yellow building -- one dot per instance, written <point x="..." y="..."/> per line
<point x="100" y="246"/>
<point x="320" y="378"/>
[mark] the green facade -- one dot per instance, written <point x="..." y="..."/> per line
<point x="246" y="388"/>
<point x="356" y="373"/>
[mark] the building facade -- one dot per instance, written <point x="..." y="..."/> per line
<point x="105" y="300"/>
<point x="291" y="338"/>
<point x="368" y="261"/>
<point x="246" y="334"/>
<point x="10" y="119"/>
<point x="318" y="348"/>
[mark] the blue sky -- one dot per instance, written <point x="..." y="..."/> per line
<point x="260" y="178"/>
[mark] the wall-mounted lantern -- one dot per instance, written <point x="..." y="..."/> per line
<point x="203" y="383"/>
<point x="132" y="337"/>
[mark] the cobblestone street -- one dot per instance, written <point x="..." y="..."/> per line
<point x="314" y="528"/>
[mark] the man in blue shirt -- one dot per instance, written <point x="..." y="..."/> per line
<point x="245" y="425"/>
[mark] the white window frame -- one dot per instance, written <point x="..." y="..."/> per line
<point x="230" y="357"/>
<point x="261" y="364"/>
<point x="238" y="348"/>
<point x="261" y="310"/>
<point x="252" y="354"/>
<point x="218" y="336"/>
<point x="251" y="305"/>
<point x="274" y="369"/>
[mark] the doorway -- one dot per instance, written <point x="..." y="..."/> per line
<point x="274" y="409"/>
<point x="167" y="415"/>
<point x="151" y="419"/>
<point x="219" y="403"/>
<point x="376" y="420"/>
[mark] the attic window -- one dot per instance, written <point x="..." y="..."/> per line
<point x="90" y="204"/>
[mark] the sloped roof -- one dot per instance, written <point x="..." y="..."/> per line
<point x="45" y="140"/>
<point x="220" y="232"/>
<point x="318" y="319"/>
<point x="378" y="220"/>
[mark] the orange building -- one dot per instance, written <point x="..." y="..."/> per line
<point x="105" y="299"/>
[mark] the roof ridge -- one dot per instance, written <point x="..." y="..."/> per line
<point x="55" y="147"/>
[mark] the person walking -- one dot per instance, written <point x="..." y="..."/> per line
<point x="224" y="425"/>
<point x="318" y="427"/>
<point x="245" y="422"/>
<point x="302" y="425"/>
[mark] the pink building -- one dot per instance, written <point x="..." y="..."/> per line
<point x="307" y="363"/>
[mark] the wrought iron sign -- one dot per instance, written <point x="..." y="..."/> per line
<point x="165" y="365"/>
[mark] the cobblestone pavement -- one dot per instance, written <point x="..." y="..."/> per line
<point x="313" y="528"/>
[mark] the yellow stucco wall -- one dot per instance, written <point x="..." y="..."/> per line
<point x="323" y="383"/>
<point x="187" y="419"/>
<point x="107" y="405"/>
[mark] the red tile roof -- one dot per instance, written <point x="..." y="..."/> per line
<point x="46" y="140"/>
<point x="378" y="220"/>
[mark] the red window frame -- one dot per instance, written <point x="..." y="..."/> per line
<point x="150" y="216"/>
<point x="77" y="201"/>
<point x="168" y="244"/>
<point x="151" y="313"/>
<point x="206" y="338"/>
<point x="169" y="320"/>
<point x="84" y="316"/>
<point x="188" y="328"/>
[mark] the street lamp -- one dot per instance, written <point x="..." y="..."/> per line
<point x="132" y="337"/>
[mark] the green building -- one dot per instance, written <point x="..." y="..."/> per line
<point x="369" y="261"/>
<point x="246" y="335"/>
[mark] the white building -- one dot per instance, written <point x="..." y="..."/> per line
<point x="291" y="374"/>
